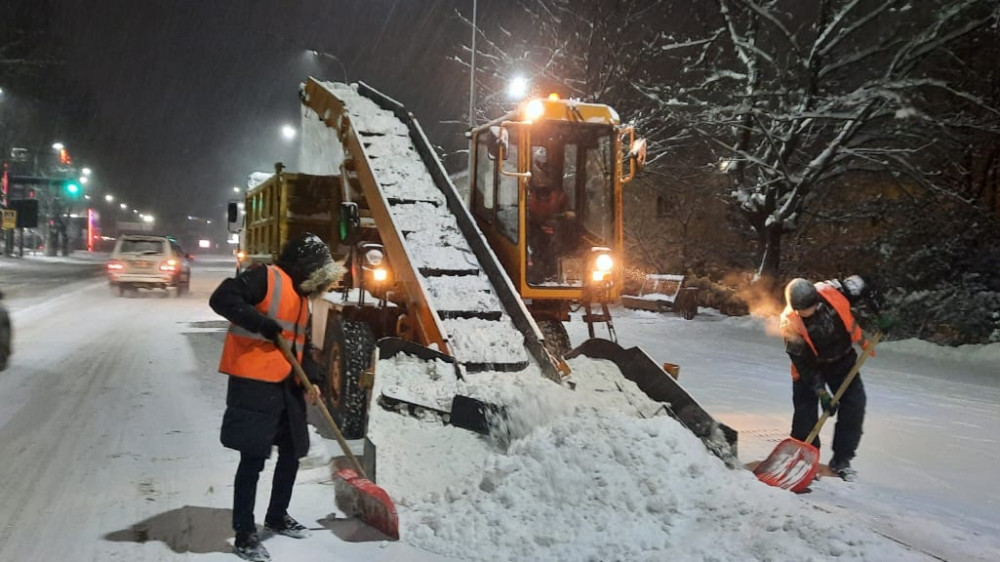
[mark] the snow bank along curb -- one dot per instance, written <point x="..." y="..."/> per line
<point x="587" y="478"/>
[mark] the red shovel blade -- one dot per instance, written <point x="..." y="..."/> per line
<point x="360" y="497"/>
<point x="791" y="466"/>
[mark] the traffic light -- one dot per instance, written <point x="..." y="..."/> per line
<point x="72" y="188"/>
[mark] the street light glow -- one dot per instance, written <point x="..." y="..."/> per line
<point x="58" y="146"/>
<point x="109" y="198"/>
<point x="236" y="189"/>
<point x="124" y="206"/>
<point x="518" y="88"/>
<point x="288" y="132"/>
<point x="84" y="179"/>
<point x="86" y="171"/>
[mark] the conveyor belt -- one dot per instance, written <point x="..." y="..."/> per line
<point x="471" y="300"/>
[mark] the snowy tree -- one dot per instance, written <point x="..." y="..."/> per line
<point x="790" y="98"/>
<point x="592" y="50"/>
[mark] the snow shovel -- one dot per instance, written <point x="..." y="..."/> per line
<point x="793" y="463"/>
<point x="366" y="500"/>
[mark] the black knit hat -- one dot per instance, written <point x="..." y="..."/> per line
<point x="801" y="294"/>
<point x="308" y="262"/>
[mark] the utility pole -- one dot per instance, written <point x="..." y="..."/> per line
<point x="472" y="71"/>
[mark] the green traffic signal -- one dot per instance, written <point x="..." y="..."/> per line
<point x="72" y="188"/>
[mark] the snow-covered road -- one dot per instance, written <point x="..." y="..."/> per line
<point x="928" y="457"/>
<point x="109" y="424"/>
<point x="109" y="417"/>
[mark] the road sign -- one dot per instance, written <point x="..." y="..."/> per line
<point x="9" y="219"/>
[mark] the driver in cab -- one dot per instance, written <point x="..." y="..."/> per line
<point x="547" y="205"/>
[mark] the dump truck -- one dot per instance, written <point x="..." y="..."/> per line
<point x="285" y="206"/>
<point x="434" y="276"/>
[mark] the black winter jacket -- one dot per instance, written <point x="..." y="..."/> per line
<point x="256" y="410"/>
<point x="834" y="355"/>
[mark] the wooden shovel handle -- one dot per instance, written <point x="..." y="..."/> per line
<point x="865" y="352"/>
<point x="297" y="367"/>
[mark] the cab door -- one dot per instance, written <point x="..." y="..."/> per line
<point x="495" y="197"/>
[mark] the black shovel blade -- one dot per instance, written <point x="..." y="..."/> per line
<point x="473" y="414"/>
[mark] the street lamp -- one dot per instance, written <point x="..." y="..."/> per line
<point x="288" y="132"/>
<point x="109" y="198"/>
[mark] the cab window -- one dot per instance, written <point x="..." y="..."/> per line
<point x="507" y="209"/>
<point x="482" y="192"/>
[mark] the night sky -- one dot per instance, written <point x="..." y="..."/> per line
<point x="188" y="97"/>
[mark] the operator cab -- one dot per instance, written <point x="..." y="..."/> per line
<point x="569" y="201"/>
<point x="546" y="191"/>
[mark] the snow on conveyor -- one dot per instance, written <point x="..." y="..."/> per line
<point x="587" y="475"/>
<point x="478" y="329"/>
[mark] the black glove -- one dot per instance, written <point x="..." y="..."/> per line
<point x="825" y="400"/>
<point x="270" y="329"/>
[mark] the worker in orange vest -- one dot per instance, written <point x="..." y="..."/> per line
<point x="265" y="405"/>
<point x="820" y="333"/>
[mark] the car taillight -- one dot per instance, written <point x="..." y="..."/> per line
<point x="169" y="265"/>
<point x="115" y="265"/>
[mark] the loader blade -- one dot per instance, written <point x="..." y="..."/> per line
<point x="790" y="466"/>
<point x="361" y="498"/>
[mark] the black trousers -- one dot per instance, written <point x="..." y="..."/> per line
<point x="245" y="485"/>
<point x="850" y="414"/>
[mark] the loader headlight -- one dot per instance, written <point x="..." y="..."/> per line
<point x="373" y="258"/>
<point x="601" y="264"/>
<point x="604" y="263"/>
<point x="380" y="274"/>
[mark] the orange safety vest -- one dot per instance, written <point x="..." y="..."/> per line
<point x="790" y="319"/>
<point x="249" y="354"/>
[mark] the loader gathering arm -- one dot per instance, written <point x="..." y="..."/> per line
<point x="458" y="297"/>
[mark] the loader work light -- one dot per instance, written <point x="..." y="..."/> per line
<point x="534" y="110"/>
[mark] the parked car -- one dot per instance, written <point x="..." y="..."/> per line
<point x="143" y="261"/>
<point x="5" y="335"/>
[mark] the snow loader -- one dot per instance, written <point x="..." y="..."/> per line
<point x="458" y="283"/>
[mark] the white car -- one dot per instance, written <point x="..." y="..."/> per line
<point x="142" y="261"/>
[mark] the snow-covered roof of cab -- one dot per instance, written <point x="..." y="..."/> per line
<point x="557" y="109"/>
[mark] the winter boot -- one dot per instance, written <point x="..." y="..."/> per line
<point x="287" y="526"/>
<point x="843" y="470"/>
<point x="248" y="547"/>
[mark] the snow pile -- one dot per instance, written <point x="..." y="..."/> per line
<point x="587" y="477"/>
